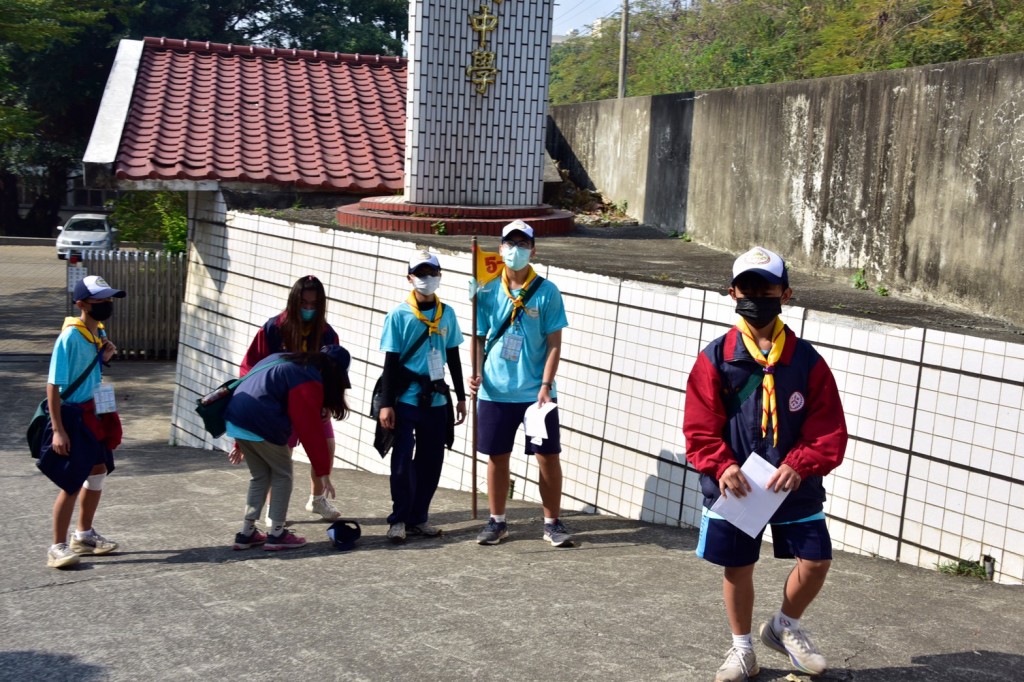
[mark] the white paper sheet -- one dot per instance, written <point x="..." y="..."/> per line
<point x="751" y="513"/>
<point x="534" y="418"/>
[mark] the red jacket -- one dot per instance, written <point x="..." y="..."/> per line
<point x="722" y="418"/>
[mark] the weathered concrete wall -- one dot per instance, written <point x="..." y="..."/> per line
<point x="915" y="175"/>
<point x="605" y="146"/>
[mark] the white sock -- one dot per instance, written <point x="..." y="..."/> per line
<point x="548" y="519"/>
<point x="83" y="534"/>
<point x="277" y="529"/>
<point x="782" y="622"/>
<point x="58" y="545"/>
<point x="315" y="497"/>
<point x="743" y="642"/>
<point x="248" y="527"/>
<point x="500" y="518"/>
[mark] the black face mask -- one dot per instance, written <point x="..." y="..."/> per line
<point x="759" y="311"/>
<point x="101" y="311"/>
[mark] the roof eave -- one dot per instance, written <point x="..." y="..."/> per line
<point x="101" y="153"/>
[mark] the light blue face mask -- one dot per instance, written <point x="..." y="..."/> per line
<point x="308" y="315"/>
<point x="516" y="257"/>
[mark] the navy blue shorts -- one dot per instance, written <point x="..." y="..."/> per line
<point x="726" y="545"/>
<point x="497" y="424"/>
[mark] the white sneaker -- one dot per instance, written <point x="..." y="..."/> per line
<point x="795" y="643"/>
<point x="61" y="556"/>
<point x="396" y="533"/>
<point x="739" y="666"/>
<point x="92" y="544"/>
<point x="322" y="506"/>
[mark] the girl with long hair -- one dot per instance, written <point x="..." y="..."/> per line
<point x="301" y="327"/>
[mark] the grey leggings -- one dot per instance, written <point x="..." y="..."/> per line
<point x="271" y="468"/>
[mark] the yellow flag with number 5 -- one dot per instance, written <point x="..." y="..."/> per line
<point x="488" y="266"/>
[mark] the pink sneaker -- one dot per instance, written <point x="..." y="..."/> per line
<point x="251" y="540"/>
<point x="286" y="540"/>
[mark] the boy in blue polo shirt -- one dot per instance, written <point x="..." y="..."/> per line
<point x="759" y="389"/>
<point x="81" y="441"/>
<point x="518" y="370"/>
<point x="416" y="401"/>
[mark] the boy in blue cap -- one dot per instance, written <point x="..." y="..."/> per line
<point x="80" y="451"/>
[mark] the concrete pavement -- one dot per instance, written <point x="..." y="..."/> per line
<point x="631" y="602"/>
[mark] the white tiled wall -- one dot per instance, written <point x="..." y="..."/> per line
<point x="934" y="471"/>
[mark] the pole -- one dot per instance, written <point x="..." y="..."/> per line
<point x="472" y="354"/>
<point x="622" y="48"/>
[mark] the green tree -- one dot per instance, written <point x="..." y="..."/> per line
<point x="705" y="44"/>
<point x="55" y="56"/>
<point x="152" y="217"/>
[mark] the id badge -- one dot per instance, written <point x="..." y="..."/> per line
<point x="512" y="347"/>
<point x="103" y="396"/>
<point x="435" y="365"/>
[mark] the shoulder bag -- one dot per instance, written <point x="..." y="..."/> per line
<point x="41" y="417"/>
<point x="212" y="405"/>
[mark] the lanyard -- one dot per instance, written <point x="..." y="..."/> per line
<point x="517" y="301"/>
<point x="432" y="325"/>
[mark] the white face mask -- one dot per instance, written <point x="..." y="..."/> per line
<point x="426" y="285"/>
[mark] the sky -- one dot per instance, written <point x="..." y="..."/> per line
<point x="576" y="14"/>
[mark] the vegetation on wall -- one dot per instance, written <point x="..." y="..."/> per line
<point x="677" y="46"/>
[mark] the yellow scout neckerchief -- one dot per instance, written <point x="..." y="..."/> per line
<point x="77" y="323"/>
<point x="432" y="325"/>
<point x="768" y="382"/>
<point x="517" y="301"/>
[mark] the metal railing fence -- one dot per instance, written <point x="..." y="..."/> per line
<point x="145" y="322"/>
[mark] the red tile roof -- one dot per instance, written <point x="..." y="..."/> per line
<point x="314" y="120"/>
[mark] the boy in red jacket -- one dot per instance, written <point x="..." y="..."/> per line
<point x="759" y="389"/>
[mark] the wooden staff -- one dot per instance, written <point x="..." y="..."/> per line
<point x="473" y="352"/>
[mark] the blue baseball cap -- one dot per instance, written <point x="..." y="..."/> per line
<point x="344" y="533"/>
<point x="94" y="286"/>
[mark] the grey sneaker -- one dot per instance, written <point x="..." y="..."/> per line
<point x="493" y="533"/>
<point x="322" y="506"/>
<point x="794" y="642"/>
<point x="92" y="544"/>
<point x="739" y="666"/>
<point x="396" y="533"/>
<point x="61" y="556"/>
<point x="557" y="534"/>
<point x="424" y="529"/>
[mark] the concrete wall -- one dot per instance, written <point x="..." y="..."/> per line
<point x="935" y="468"/>
<point x="915" y="175"/>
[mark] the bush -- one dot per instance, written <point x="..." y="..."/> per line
<point x="152" y="217"/>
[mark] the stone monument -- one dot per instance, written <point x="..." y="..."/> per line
<point x="476" y="113"/>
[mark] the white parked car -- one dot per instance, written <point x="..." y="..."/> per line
<point x="86" y="232"/>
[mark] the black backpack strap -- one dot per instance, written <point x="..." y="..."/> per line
<point x="78" y="382"/>
<point x="537" y="281"/>
<point x="414" y="347"/>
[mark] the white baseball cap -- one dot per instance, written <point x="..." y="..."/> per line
<point x="763" y="262"/>
<point x="423" y="258"/>
<point x="517" y="226"/>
